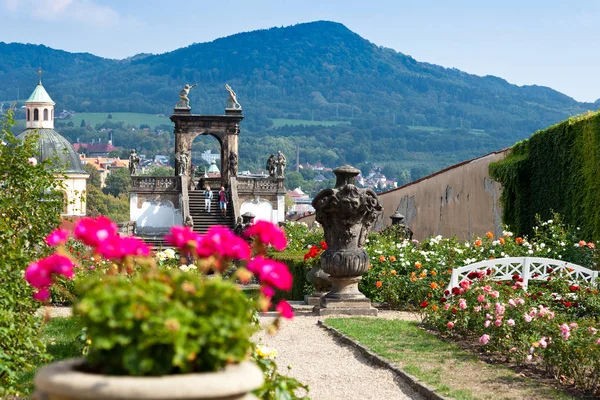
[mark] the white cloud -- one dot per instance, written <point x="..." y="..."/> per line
<point x="83" y="11"/>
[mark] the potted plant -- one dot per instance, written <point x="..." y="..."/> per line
<point x="157" y="333"/>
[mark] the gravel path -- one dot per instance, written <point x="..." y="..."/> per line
<point x="332" y="370"/>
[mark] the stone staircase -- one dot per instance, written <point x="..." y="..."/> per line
<point x="202" y="219"/>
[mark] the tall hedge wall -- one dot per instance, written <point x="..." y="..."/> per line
<point x="557" y="169"/>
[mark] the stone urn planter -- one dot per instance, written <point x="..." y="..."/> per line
<point x="65" y="380"/>
<point x="347" y="214"/>
<point x="320" y="280"/>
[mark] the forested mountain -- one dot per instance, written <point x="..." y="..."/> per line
<point x="397" y="109"/>
<point x="319" y="70"/>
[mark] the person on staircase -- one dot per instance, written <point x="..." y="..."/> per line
<point x="208" y="195"/>
<point x="223" y="201"/>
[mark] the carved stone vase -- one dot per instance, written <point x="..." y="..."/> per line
<point x="347" y="214"/>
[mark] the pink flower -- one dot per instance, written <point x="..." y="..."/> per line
<point x="488" y="316"/>
<point x="573" y="325"/>
<point x="42" y="294"/>
<point x="481" y="298"/>
<point x="57" y="237"/>
<point x="268" y="234"/>
<point x="487" y="288"/>
<point x="32" y="160"/>
<point x="520" y="302"/>
<point x="271" y="272"/>
<point x="543" y="342"/>
<point x="495" y="294"/>
<point x="220" y="241"/>
<point x="446" y="307"/>
<point x="598" y="341"/>
<point x="465" y="284"/>
<point x="487" y="306"/>
<point x="450" y="325"/>
<point x="484" y="339"/>
<point x="510" y="322"/>
<point x="592" y="330"/>
<point x="500" y="309"/>
<point x="527" y="317"/>
<point x="529" y="357"/>
<point x="182" y="237"/>
<point x="477" y="309"/>
<point x="93" y="231"/>
<point x="462" y="304"/>
<point x="118" y="247"/>
<point x="284" y="309"/>
<point x="267" y="291"/>
<point x="37" y="275"/>
<point x="513" y="349"/>
<point x="487" y="323"/>
<point x="498" y="322"/>
<point x="565" y="331"/>
<point x="512" y="303"/>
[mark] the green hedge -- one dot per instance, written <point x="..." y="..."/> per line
<point x="297" y="266"/>
<point x="557" y="169"/>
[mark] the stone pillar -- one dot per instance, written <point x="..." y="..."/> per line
<point x="347" y="214"/>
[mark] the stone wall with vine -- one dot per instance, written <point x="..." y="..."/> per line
<point x="557" y="169"/>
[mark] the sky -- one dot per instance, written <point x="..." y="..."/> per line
<point x="550" y="43"/>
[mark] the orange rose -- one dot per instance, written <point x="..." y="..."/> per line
<point x="519" y="240"/>
<point x="433" y="285"/>
<point x="413" y="279"/>
<point x="434" y="307"/>
<point x="429" y="294"/>
<point x="383" y="273"/>
<point x="393" y="272"/>
<point x="492" y="258"/>
<point x="382" y="258"/>
<point x="392" y="258"/>
<point x="423" y="274"/>
<point x="478" y="242"/>
<point x="501" y="240"/>
<point x="433" y="273"/>
<point x="378" y="284"/>
<point x="417" y="265"/>
<point x="490" y="235"/>
<point x="413" y="273"/>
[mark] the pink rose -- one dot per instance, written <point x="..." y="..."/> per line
<point x="450" y="325"/>
<point x="484" y="339"/>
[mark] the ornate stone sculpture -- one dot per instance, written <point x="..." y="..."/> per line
<point x="184" y="101"/>
<point x="398" y="228"/>
<point x="182" y="162"/>
<point x="134" y="162"/>
<point x="233" y="163"/>
<point x="244" y="221"/>
<point x="271" y="165"/>
<point x="281" y="162"/>
<point x="346" y="213"/>
<point x="232" y="100"/>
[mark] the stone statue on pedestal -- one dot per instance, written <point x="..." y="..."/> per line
<point x="271" y="165"/>
<point x="232" y="100"/>
<point x="184" y="101"/>
<point x="233" y="163"/>
<point x="134" y="162"/>
<point x="182" y="162"/>
<point x="281" y="162"/>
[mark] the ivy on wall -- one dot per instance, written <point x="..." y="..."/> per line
<point x="557" y="169"/>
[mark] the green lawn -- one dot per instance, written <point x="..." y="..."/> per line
<point x="62" y="341"/>
<point x="135" y="119"/>
<point x="279" y="122"/>
<point x="450" y="370"/>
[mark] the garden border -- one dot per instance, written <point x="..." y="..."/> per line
<point x="414" y="383"/>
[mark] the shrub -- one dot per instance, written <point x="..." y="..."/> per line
<point x="28" y="211"/>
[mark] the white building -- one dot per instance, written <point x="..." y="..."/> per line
<point x="40" y="120"/>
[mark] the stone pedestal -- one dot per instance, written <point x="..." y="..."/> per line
<point x="345" y="299"/>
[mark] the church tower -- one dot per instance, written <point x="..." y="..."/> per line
<point x="39" y="120"/>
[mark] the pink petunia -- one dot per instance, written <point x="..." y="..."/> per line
<point x="268" y="234"/>
<point x="284" y="309"/>
<point x="57" y="237"/>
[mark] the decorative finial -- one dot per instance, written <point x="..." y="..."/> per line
<point x="40" y="73"/>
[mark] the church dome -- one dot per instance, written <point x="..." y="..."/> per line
<point x="213" y="169"/>
<point x="52" y="144"/>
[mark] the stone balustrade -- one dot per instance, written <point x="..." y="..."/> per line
<point x="156" y="183"/>
<point x="265" y="185"/>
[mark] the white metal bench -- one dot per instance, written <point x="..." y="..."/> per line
<point x="528" y="268"/>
